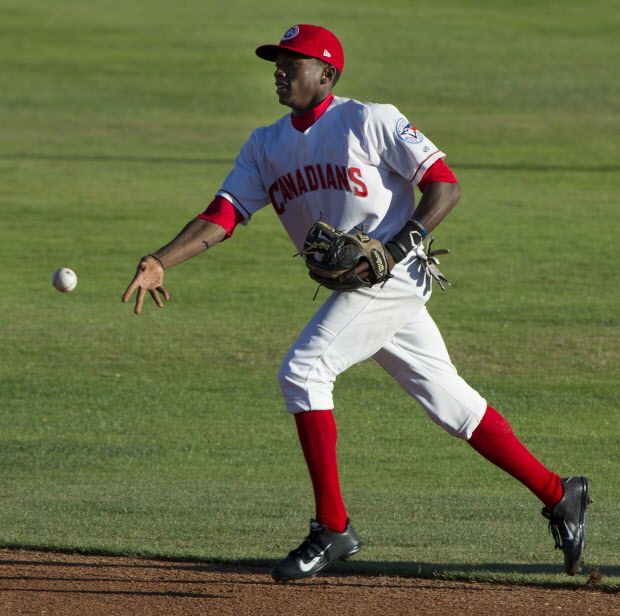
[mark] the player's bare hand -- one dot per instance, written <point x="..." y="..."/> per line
<point x="149" y="277"/>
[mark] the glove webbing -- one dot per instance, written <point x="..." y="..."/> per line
<point x="406" y="239"/>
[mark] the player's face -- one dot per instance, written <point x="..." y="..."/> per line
<point x="300" y="82"/>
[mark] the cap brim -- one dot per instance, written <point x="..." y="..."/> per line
<point x="270" y="52"/>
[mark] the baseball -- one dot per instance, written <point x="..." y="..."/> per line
<point x="64" y="280"/>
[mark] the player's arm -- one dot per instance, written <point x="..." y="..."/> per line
<point x="413" y="156"/>
<point x="436" y="203"/>
<point x="243" y="186"/>
<point x="440" y="193"/>
<point x="196" y="237"/>
<point x="200" y="234"/>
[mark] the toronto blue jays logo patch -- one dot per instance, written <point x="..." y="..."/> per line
<point x="291" y="33"/>
<point x="408" y="133"/>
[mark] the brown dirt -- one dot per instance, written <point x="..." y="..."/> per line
<point x="70" y="584"/>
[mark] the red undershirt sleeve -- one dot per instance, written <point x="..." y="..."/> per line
<point x="437" y="172"/>
<point x="223" y="213"/>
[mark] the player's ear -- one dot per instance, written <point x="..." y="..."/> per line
<point x="329" y="74"/>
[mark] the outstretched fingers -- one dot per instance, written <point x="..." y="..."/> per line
<point x="148" y="277"/>
<point x="134" y="284"/>
<point x="129" y="291"/>
<point x="142" y="294"/>
<point x="156" y="298"/>
<point x="140" y="300"/>
<point x="155" y="295"/>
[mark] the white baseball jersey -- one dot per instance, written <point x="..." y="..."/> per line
<point x="354" y="167"/>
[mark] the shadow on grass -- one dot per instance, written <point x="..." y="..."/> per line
<point x="499" y="573"/>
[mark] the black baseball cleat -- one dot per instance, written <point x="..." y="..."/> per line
<point x="567" y="521"/>
<point x="321" y="547"/>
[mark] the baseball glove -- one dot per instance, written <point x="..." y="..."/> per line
<point x="344" y="261"/>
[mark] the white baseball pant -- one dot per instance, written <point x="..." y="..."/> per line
<point x="391" y="324"/>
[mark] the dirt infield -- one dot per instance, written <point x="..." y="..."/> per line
<point x="75" y="585"/>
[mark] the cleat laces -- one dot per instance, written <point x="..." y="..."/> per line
<point x="310" y="546"/>
<point x="556" y="525"/>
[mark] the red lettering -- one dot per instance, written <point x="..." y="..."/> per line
<point x="301" y="185"/>
<point x="313" y="183"/>
<point x="326" y="175"/>
<point x="321" y="178"/>
<point x="290" y="185"/>
<point x="286" y="195"/>
<point x="278" y="207"/>
<point x="355" y="175"/>
<point x="331" y="178"/>
<point x="343" y="180"/>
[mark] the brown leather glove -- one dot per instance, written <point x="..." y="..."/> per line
<point x="345" y="261"/>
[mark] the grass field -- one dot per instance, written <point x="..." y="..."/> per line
<point x="165" y="434"/>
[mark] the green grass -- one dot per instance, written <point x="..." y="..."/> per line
<point x="165" y="434"/>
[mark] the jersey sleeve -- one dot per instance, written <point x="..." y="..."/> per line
<point x="399" y="144"/>
<point x="243" y="186"/>
<point x="437" y="172"/>
<point x="223" y="213"/>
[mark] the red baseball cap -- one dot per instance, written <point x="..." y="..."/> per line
<point x="313" y="41"/>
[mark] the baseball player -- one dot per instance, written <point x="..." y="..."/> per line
<point x="354" y="166"/>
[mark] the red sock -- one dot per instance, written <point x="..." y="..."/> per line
<point x="495" y="440"/>
<point x="317" y="435"/>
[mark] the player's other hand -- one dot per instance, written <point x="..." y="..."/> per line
<point x="363" y="269"/>
<point x="149" y="277"/>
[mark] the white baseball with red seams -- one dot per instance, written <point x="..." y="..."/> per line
<point x="355" y="167"/>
